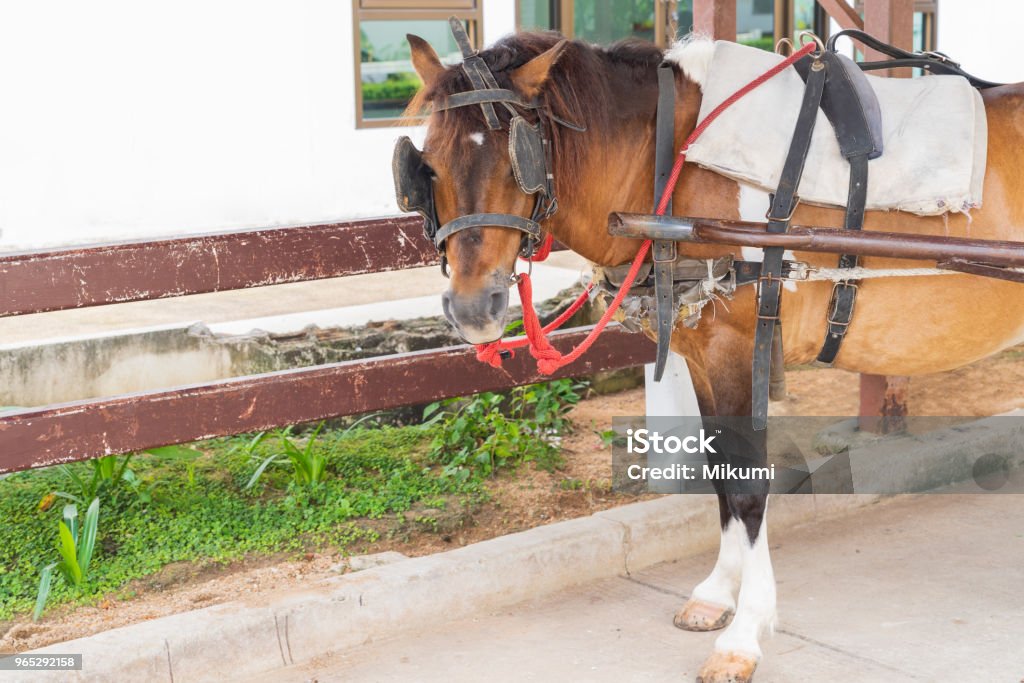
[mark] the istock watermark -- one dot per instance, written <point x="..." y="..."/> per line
<point x="644" y="440"/>
<point x="817" y="455"/>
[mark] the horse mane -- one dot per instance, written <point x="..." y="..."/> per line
<point x="579" y="89"/>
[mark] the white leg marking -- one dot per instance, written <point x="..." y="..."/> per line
<point x="722" y="585"/>
<point x="756" y="611"/>
<point x="478" y="138"/>
<point x="753" y="205"/>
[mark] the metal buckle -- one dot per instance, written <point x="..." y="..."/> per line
<point x="835" y="302"/>
<point x="798" y="270"/>
<point x="654" y="253"/>
<point x="938" y="56"/>
<point x="792" y="210"/>
<point x="767" y="278"/>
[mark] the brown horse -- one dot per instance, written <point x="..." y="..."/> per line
<point x="902" y="326"/>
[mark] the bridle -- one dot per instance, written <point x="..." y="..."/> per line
<point x="529" y="150"/>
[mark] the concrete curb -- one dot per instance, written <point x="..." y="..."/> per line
<point x="255" y="636"/>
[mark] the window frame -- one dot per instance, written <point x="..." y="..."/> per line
<point x="470" y="11"/>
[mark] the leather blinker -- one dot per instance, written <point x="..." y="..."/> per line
<point x="526" y="151"/>
<point x="414" y="185"/>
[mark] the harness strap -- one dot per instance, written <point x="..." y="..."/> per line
<point x="480" y="220"/>
<point x="934" y="62"/>
<point x="663" y="252"/>
<point x="784" y="202"/>
<point x="844" y="292"/>
<point x="479" y="75"/>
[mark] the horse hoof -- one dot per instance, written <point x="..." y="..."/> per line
<point x="727" y="667"/>
<point x="697" y="615"/>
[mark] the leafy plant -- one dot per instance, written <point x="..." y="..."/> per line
<point x="490" y="431"/>
<point x="110" y="476"/>
<point x="309" y="463"/>
<point x="76" y="545"/>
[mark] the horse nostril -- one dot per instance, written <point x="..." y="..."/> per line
<point x="446" y="306"/>
<point x="499" y="301"/>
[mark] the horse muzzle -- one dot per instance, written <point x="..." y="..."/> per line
<point x="478" y="317"/>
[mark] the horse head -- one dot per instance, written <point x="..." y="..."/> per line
<point x="514" y="150"/>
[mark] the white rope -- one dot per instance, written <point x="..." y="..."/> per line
<point x="860" y="273"/>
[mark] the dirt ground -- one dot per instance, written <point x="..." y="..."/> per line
<point x="522" y="500"/>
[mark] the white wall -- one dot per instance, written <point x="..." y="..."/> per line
<point x="984" y="36"/>
<point x="126" y="119"/>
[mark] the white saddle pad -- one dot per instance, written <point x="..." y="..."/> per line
<point x="935" y="137"/>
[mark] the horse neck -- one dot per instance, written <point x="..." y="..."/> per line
<point x="618" y="170"/>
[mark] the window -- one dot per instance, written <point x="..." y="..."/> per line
<point x="385" y="78"/>
<point x="597" y="21"/>
<point x="755" y="23"/>
<point x="924" y="26"/>
<point x="758" y="22"/>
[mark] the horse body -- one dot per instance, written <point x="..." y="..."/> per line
<point x="902" y="326"/>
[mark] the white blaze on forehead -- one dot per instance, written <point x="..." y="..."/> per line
<point x="478" y="138"/>
<point x="753" y="206"/>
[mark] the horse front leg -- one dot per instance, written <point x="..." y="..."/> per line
<point x="740" y="591"/>
<point x="737" y="650"/>
<point x="712" y="602"/>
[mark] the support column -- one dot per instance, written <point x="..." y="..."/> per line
<point x="891" y="21"/>
<point x="883" y="403"/>
<point x="883" y="400"/>
<point x="716" y="18"/>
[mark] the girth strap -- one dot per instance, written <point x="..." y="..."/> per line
<point x="783" y="205"/>
<point x="844" y="292"/>
<point x="663" y="252"/>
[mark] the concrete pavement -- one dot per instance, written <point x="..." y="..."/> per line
<point x="922" y="588"/>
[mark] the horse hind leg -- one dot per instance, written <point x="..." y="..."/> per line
<point x="713" y="601"/>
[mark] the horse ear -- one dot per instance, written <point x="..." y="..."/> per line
<point x="531" y="77"/>
<point x="426" y="62"/>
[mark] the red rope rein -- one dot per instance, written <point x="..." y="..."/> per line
<point x="550" y="359"/>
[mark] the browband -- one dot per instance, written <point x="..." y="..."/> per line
<point x="502" y="96"/>
<point x="471" y="97"/>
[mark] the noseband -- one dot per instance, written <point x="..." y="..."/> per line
<point x="529" y="150"/>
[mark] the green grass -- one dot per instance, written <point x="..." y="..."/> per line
<point x="373" y="474"/>
<point x="187" y="507"/>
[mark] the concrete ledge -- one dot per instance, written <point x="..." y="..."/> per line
<point x="255" y="636"/>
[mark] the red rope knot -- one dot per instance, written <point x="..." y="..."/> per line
<point x="491" y="353"/>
